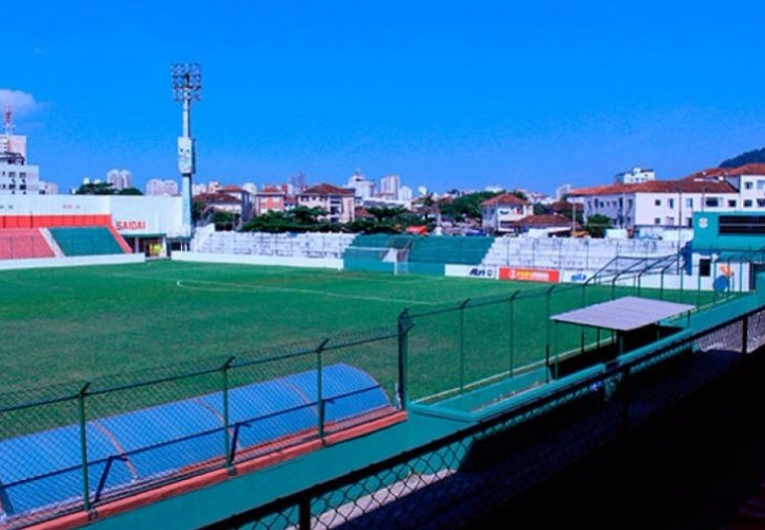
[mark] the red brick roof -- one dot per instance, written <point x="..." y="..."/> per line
<point x="659" y="186"/>
<point x="271" y="190"/>
<point x="327" y="189"/>
<point x="746" y="169"/>
<point x="362" y="213"/>
<point x="544" y="220"/>
<point x="504" y="199"/>
<point x="232" y="189"/>
<point x="218" y="198"/>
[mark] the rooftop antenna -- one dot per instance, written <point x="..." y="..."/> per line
<point x="8" y="119"/>
<point x="187" y="87"/>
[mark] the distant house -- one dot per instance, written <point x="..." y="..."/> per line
<point x="658" y="204"/>
<point x="546" y="224"/>
<point x="270" y="199"/>
<point x="245" y="200"/>
<point x="500" y="212"/>
<point x="337" y="202"/>
<point x="655" y="207"/>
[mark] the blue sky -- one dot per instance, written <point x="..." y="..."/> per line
<point x="446" y="94"/>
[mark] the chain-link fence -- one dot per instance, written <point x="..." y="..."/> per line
<point x="447" y="481"/>
<point x="475" y="342"/>
<point x="73" y="447"/>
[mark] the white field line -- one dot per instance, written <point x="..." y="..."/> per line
<point x="231" y="287"/>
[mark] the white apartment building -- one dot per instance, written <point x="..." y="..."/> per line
<point x="635" y="176"/>
<point x="654" y="206"/>
<point x="119" y="178"/>
<point x="161" y="187"/>
<point x="16" y="176"/>
<point x="389" y="187"/>
<point x="362" y="186"/>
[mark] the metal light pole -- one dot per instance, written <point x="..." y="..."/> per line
<point x="187" y="87"/>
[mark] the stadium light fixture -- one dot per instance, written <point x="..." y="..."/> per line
<point x="187" y="81"/>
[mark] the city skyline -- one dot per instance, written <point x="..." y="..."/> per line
<point x="445" y="95"/>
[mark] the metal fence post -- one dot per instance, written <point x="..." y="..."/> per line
<point x="624" y="406"/>
<point x="512" y="332"/>
<point x="319" y="388"/>
<point x="226" y="423"/>
<point x="462" y="343"/>
<point x="304" y="514"/>
<point x="84" y="446"/>
<point x="405" y="324"/>
<point x="548" y="296"/>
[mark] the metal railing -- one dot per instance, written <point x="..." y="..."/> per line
<point x="449" y="480"/>
<point x="76" y="446"/>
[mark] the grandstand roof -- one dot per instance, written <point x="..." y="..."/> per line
<point x="624" y="314"/>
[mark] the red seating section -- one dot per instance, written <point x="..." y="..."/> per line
<point x="23" y="243"/>
<point x="56" y="221"/>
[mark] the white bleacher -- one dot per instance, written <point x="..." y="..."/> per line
<point x="303" y="245"/>
<point x="571" y="253"/>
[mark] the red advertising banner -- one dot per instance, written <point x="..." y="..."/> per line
<point x="529" y="275"/>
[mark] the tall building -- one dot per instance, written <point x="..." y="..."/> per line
<point x="119" y="178"/>
<point x="562" y="191"/>
<point x="362" y="186"/>
<point x="16" y="176"/>
<point x="635" y="176"/>
<point x="405" y="194"/>
<point x="161" y="187"/>
<point x="389" y="186"/>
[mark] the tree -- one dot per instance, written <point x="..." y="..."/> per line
<point x="130" y="191"/>
<point x="274" y="222"/>
<point x="96" y="188"/>
<point x="597" y="225"/>
<point x="223" y="220"/>
<point x="757" y="156"/>
<point x="467" y="206"/>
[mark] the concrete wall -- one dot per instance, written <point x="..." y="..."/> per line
<point x="239" y="259"/>
<point x="77" y="261"/>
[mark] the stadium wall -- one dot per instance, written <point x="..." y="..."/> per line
<point x="77" y="261"/>
<point x="130" y="215"/>
<point x="239" y="259"/>
<point x="737" y="276"/>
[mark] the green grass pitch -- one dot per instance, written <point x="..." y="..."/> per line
<point x="74" y="324"/>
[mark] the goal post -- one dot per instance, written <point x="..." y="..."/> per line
<point x="377" y="259"/>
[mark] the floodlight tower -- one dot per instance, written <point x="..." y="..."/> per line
<point x="187" y="87"/>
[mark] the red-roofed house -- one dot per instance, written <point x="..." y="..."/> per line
<point x="500" y="212"/>
<point x="270" y="199"/>
<point x="655" y="205"/>
<point x="338" y="202"/>
<point x="551" y="223"/>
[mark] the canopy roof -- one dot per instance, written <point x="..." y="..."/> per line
<point x="623" y="314"/>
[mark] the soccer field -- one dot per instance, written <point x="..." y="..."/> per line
<point x="75" y="324"/>
<point x="82" y="323"/>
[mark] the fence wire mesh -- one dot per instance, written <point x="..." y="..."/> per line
<point x="78" y="445"/>
<point x="449" y="480"/>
